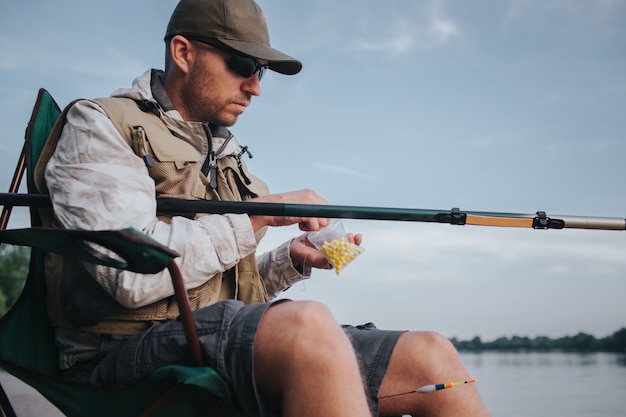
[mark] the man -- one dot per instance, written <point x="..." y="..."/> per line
<point x="167" y="137"/>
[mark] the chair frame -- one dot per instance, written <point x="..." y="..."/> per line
<point x="181" y="297"/>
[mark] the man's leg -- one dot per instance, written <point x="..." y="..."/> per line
<point x="421" y="358"/>
<point x="304" y="363"/>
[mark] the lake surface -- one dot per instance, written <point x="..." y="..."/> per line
<point x="550" y="384"/>
<point x="512" y="385"/>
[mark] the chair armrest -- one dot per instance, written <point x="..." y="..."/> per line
<point x="137" y="253"/>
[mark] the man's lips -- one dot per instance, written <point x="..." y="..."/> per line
<point x="242" y="105"/>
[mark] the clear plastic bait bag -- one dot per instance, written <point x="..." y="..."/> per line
<point x="333" y="242"/>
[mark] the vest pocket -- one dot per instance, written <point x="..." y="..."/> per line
<point x="172" y="164"/>
<point x="175" y="179"/>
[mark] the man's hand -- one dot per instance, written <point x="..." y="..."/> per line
<point x="304" y="253"/>
<point x="308" y="224"/>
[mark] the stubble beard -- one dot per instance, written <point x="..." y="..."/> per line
<point x="201" y="101"/>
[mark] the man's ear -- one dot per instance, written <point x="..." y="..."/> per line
<point x="182" y="53"/>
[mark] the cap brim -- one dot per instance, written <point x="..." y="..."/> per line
<point x="277" y="61"/>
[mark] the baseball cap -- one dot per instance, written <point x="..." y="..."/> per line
<point x="237" y="24"/>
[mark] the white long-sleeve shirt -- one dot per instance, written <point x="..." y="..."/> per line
<point x="97" y="182"/>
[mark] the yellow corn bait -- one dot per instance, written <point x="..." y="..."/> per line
<point x="340" y="253"/>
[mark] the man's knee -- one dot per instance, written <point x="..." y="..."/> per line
<point x="299" y="328"/>
<point x="428" y="353"/>
<point x="432" y="341"/>
<point x="296" y="338"/>
<point x="299" y="323"/>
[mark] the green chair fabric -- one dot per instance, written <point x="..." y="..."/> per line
<point x="27" y="348"/>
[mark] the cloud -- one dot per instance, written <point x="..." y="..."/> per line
<point x="110" y="61"/>
<point x="441" y="30"/>
<point x="98" y="59"/>
<point x="425" y="28"/>
<point x="11" y="58"/>
<point x="518" y="9"/>
<point x="396" y="45"/>
<point x="492" y="249"/>
<point x="414" y="275"/>
<point x="346" y="172"/>
<point x="485" y="141"/>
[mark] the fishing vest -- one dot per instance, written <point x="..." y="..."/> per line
<point x="76" y="300"/>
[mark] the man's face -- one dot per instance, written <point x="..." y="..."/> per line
<point x="212" y="91"/>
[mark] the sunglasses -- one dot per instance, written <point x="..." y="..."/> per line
<point x="244" y="66"/>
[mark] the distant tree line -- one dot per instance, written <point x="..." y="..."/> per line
<point x="13" y="271"/>
<point x="582" y="342"/>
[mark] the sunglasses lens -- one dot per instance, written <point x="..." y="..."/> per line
<point x="245" y="67"/>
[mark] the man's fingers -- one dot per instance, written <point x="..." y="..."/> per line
<point x="355" y="238"/>
<point x="312" y="224"/>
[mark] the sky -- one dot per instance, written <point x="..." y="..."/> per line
<point x="489" y="105"/>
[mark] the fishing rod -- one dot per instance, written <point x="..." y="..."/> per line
<point x="454" y="216"/>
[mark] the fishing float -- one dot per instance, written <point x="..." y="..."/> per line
<point x="432" y="388"/>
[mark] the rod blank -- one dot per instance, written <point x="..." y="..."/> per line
<point x="454" y="216"/>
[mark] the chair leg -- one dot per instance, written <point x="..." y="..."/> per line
<point x="168" y="395"/>
<point x="189" y="327"/>
<point x="214" y="406"/>
<point x="14" y="187"/>
<point x="6" y="409"/>
<point x="186" y="316"/>
<point x="164" y="398"/>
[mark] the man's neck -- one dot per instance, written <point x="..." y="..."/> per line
<point x="159" y="92"/>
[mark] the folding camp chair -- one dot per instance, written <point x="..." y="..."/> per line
<point x="27" y="348"/>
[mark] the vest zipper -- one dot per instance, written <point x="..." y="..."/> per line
<point x="244" y="149"/>
<point x="209" y="168"/>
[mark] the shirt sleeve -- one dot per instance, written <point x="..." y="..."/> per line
<point x="96" y="182"/>
<point x="278" y="271"/>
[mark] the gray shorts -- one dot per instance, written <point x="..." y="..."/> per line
<point x="226" y="331"/>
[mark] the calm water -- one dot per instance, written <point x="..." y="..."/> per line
<point x="550" y="384"/>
